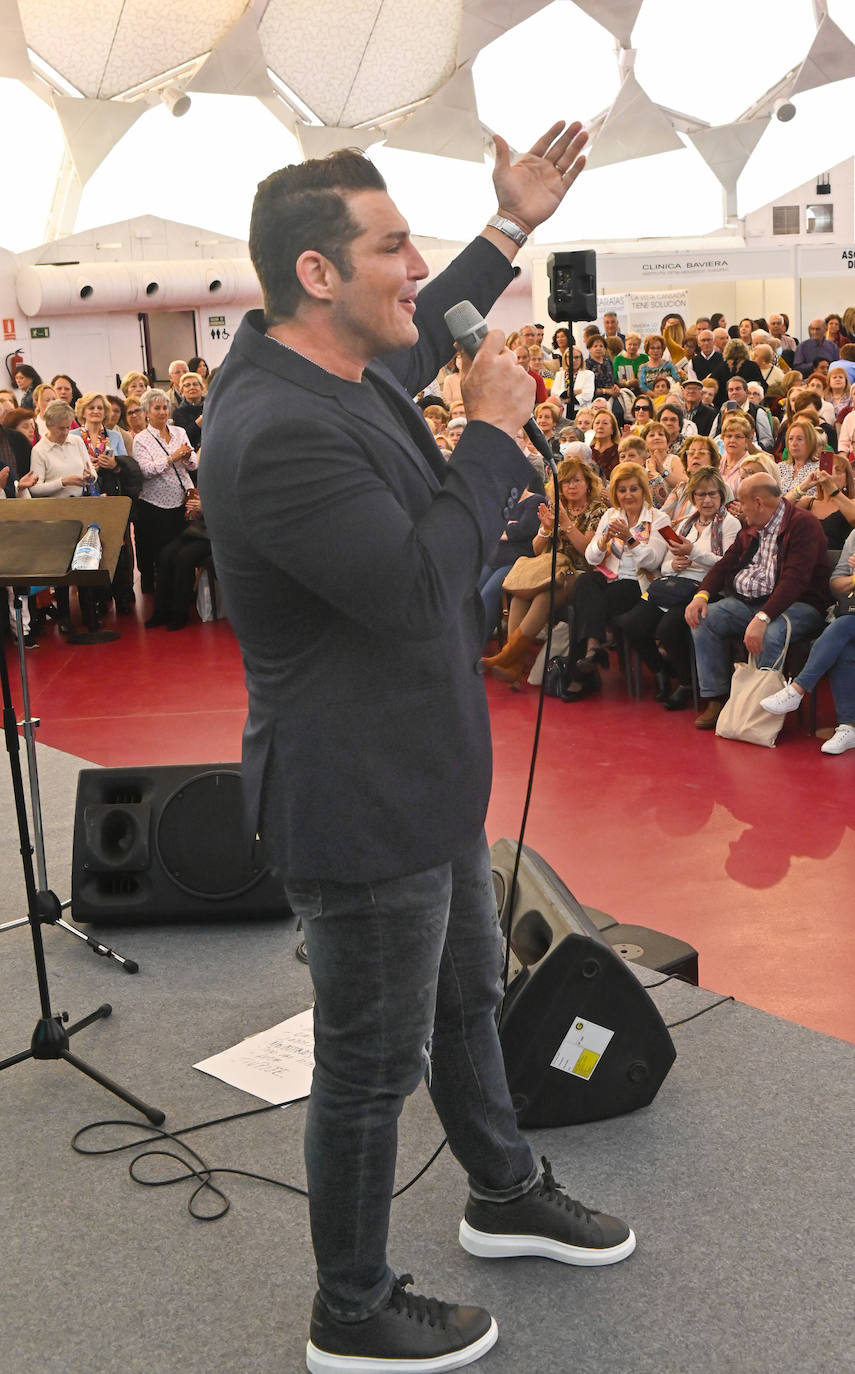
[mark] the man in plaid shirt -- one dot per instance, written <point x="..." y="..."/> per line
<point x="775" y="571"/>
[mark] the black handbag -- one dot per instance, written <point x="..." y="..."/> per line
<point x="558" y="674"/>
<point x="668" y="592"/>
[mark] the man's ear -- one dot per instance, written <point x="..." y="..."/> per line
<point x="316" y="274"/>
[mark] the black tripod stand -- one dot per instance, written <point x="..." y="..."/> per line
<point x="51" y="1036"/>
<point x="29" y="724"/>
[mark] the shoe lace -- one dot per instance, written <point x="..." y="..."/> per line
<point x="417" y="1307"/>
<point x="554" y="1192"/>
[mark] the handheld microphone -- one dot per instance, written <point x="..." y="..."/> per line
<point x="469" y="329"/>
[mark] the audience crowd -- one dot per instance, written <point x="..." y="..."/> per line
<point x="143" y="443"/>
<point x="705" y="496"/>
<point x="688" y="461"/>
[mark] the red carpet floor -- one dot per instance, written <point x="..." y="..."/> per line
<point x="747" y="853"/>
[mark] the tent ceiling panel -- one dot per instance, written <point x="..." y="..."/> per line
<point x="384" y="57"/>
<point x="483" y="21"/>
<point x="125" y="45"/>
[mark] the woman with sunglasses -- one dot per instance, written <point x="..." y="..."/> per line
<point x="642" y="412"/>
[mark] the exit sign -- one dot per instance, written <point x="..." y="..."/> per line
<point x="40" y="333"/>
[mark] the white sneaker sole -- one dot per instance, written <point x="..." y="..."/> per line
<point x="321" y="1362"/>
<point x="488" y="1246"/>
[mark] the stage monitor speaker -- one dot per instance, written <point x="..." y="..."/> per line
<point x="545" y="910"/>
<point x="581" y="1038"/>
<point x="167" y="843"/>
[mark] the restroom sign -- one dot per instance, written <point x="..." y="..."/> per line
<point x="8" y="330"/>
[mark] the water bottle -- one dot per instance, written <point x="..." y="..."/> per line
<point x="87" y="555"/>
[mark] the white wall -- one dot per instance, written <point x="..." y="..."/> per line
<point x="758" y="224"/>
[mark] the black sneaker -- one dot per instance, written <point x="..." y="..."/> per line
<point x="411" y="1333"/>
<point x="545" y="1222"/>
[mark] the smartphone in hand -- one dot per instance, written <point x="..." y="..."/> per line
<point x="670" y="536"/>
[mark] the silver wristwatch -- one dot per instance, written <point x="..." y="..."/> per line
<point x="510" y="228"/>
<point x="761" y="615"/>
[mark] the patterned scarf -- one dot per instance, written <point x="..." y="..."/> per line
<point x="716" y="536"/>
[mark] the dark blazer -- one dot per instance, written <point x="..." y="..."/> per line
<point x="702" y="416"/>
<point x="186" y="415"/>
<point x="347" y="552"/>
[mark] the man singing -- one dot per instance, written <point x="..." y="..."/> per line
<point x="348" y="551"/>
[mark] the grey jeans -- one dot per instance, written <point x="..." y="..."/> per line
<point x="407" y="981"/>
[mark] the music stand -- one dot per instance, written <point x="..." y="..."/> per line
<point x="43" y="538"/>
<point x="53" y="546"/>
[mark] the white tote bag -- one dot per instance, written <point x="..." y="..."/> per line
<point x="743" y="717"/>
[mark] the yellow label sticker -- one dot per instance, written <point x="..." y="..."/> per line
<point x="585" y="1064"/>
<point x="582" y="1048"/>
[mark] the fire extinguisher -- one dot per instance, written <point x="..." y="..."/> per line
<point x="13" y="362"/>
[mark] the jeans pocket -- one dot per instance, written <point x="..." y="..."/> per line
<point x="305" y="899"/>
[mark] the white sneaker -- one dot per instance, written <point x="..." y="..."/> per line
<point x="788" y="699"/>
<point x="842" y="739"/>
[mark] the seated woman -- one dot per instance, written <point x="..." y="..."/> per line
<point x="580" y="506"/>
<point x="832" y="653"/>
<point x="606" y="433"/>
<point x="739" y="364"/>
<point x="737" y="441"/>
<point x="133" y="384"/>
<point x="830" y="496"/>
<point x="840" y="376"/>
<point x="42" y="397"/>
<point x="752" y="463"/>
<point x="802" y="461"/>
<point x="817" y="382"/>
<point x="514" y="542"/>
<point x="798" y="400"/>
<point x="657" y="463"/>
<point x="573" y="366"/>
<point x="547" y="415"/>
<point x="62" y="467"/>
<point x="657" y="365"/>
<point x="176" y="565"/>
<point x="625" y="552"/>
<point x="656" y="627"/>
<point x="642" y="411"/>
<point x="22" y="421"/>
<point x="698" y="451"/>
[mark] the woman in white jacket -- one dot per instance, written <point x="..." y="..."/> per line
<point x="625" y="552"/>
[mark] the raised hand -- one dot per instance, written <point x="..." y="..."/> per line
<point x="531" y="189"/>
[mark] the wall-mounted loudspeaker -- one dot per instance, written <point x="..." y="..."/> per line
<point x="582" y="1040"/>
<point x="169" y="844"/>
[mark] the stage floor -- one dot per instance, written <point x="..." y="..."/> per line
<point x="746" y="853"/>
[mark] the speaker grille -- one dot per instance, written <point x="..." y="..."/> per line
<point x="201" y="842"/>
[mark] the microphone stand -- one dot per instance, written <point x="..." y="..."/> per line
<point x="30" y="724"/>
<point x="51" y="1035"/>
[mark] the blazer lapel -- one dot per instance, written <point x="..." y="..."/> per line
<point x="355" y="399"/>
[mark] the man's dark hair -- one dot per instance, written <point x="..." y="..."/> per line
<point x="301" y="208"/>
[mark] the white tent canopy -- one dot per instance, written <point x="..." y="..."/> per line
<point x="91" y="105"/>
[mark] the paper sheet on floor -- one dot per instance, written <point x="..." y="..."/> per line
<point x="275" y="1065"/>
